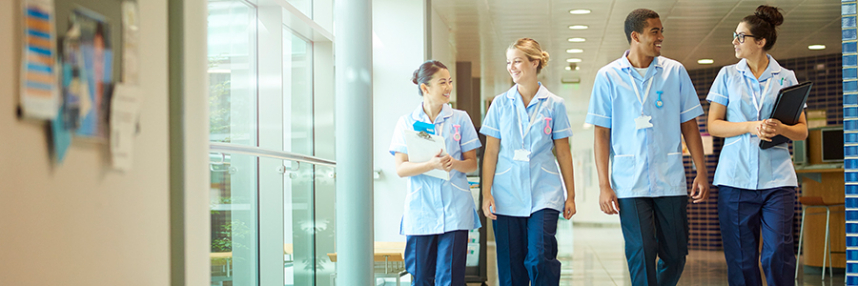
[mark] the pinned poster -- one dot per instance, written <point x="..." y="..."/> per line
<point x="130" y="43"/>
<point x="124" y="114"/>
<point x="39" y="96"/>
<point x="91" y="56"/>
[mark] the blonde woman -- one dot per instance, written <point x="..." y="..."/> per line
<point x="525" y="192"/>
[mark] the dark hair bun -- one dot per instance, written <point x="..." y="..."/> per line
<point x="770" y="14"/>
<point x="415" y="76"/>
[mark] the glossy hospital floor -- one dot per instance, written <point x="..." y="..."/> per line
<point x="594" y="256"/>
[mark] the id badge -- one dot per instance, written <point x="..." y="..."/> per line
<point x="643" y="122"/>
<point x="522" y="155"/>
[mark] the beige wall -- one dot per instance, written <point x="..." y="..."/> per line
<point x="81" y="223"/>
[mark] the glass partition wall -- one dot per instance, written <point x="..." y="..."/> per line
<point x="265" y="58"/>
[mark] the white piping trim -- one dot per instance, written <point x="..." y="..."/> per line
<point x="469" y="142"/>
<point x="415" y="191"/>
<point x="674" y="153"/>
<point x="558" y="131"/>
<point x="602" y="116"/>
<point x="504" y="172"/>
<point x="684" y="112"/>
<point x="712" y="93"/>
<point x="464" y="190"/>
<point x="731" y="143"/>
<point x="489" y="127"/>
<point x="547" y="171"/>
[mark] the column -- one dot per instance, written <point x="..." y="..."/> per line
<point x="353" y="121"/>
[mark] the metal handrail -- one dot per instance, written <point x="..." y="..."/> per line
<point x="260" y="152"/>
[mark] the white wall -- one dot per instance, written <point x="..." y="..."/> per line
<point x="81" y="223"/>
<point x="398" y="50"/>
<point x="443" y="47"/>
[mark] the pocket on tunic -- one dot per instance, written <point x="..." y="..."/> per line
<point x="623" y="172"/>
<point x="675" y="171"/>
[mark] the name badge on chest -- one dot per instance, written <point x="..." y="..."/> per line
<point x="521" y="155"/>
<point x="643" y="122"/>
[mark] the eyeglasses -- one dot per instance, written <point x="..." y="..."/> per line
<point x="741" y="37"/>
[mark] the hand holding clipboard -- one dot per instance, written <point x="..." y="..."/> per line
<point x="423" y="147"/>
<point x="788" y="109"/>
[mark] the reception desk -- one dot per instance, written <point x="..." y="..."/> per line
<point x="825" y="181"/>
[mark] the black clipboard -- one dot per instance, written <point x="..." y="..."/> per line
<point x="788" y="109"/>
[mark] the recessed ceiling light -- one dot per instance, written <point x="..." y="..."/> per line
<point x="816" y="47"/>
<point x="579" y="11"/>
<point x="573" y="60"/>
<point x="574" y="51"/>
<point x="577" y="68"/>
<point x="577" y="40"/>
<point x="568" y="68"/>
<point x="705" y="61"/>
<point x="578" y="27"/>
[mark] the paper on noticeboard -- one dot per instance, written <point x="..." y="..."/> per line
<point x="124" y="113"/>
<point x="40" y="94"/>
<point x="424" y="148"/>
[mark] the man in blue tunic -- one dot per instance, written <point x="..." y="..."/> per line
<point x="642" y="105"/>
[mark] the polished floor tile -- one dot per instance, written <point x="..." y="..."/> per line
<point x="593" y="255"/>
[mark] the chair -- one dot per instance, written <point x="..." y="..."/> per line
<point x="816" y="202"/>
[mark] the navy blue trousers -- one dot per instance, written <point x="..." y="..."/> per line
<point x="742" y="213"/>
<point x="437" y="259"/>
<point x="527" y="249"/>
<point x="655" y="227"/>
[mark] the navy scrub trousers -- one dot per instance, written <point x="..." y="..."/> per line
<point x="655" y="227"/>
<point x="742" y="213"/>
<point x="437" y="259"/>
<point x="527" y="249"/>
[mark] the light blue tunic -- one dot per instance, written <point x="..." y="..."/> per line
<point x="742" y="163"/>
<point x="521" y="188"/>
<point x="433" y="205"/>
<point x="645" y="162"/>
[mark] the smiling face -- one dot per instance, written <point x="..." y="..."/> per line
<point x="751" y="47"/>
<point x="649" y="41"/>
<point x="519" y="67"/>
<point x="437" y="90"/>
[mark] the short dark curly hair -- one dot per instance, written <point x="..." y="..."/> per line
<point x="636" y="21"/>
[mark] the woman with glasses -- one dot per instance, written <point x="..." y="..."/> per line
<point x="756" y="187"/>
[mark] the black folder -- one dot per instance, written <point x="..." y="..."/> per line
<point x="788" y="109"/>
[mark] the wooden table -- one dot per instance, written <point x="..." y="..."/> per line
<point x="827" y="183"/>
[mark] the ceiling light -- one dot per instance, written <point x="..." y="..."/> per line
<point x="568" y="68"/>
<point x="574" y="51"/>
<point x="578" y="27"/>
<point x="816" y="47"/>
<point x="573" y="60"/>
<point x="705" y="61"/>
<point x="579" y="11"/>
<point x="577" y="68"/>
<point x="577" y="40"/>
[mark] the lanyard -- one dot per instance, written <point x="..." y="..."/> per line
<point x="758" y="104"/>
<point x="532" y="118"/>
<point x="646" y="94"/>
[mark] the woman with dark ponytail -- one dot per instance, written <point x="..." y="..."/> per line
<point x="756" y="187"/>
<point x="438" y="213"/>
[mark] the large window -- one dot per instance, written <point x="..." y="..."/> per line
<point x="270" y="90"/>
<point x="232" y="119"/>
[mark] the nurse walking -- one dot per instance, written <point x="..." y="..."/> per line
<point x="756" y="188"/>
<point x="642" y="105"/>
<point x="523" y="190"/>
<point x="438" y="213"/>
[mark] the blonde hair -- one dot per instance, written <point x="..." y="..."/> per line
<point x="532" y="50"/>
